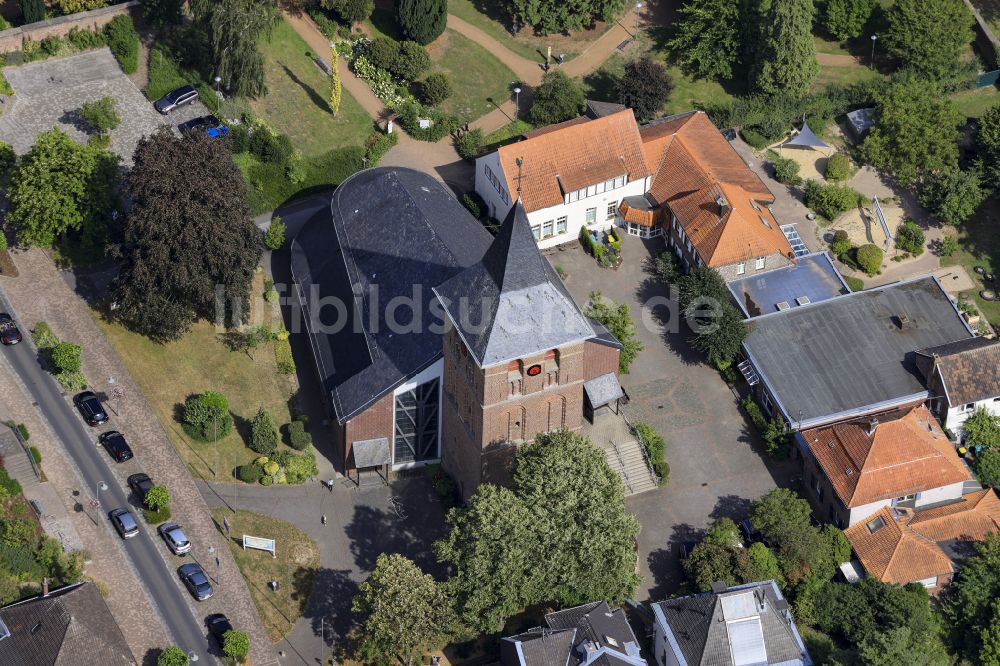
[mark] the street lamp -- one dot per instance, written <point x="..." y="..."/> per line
<point x="874" y="37"/>
<point x="218" y="93"/>
<point x="517" y="101"/>
<point x="97" y="496"/>
<point x="211" y="551"/>
<point x="638" y="6"/>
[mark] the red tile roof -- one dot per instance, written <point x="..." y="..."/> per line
<point x="692" y="166"/>
<point x="906" y="548"/>
<point x="907" y="453"/>
<point x="572" y="155"/>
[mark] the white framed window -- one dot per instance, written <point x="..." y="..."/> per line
<point x="612" y="210"/>
<point x="536" y="230"/>
<point x="741" y="268"/>
<point x="759" y="264"/>
<point x="561" y="225"/>
<point x="591" y="190"/>
<point x="689" y="245"/>
<point x="548" y="228"/>
<point x="591" y="216"/>
<point x="969" y="407"/>
<point x="574" y="197"/>
<point x="601" y="187"/>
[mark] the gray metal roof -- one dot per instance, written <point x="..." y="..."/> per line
<point x="512" y="303"/>
<point x="852" y="352"/>
<point x="72" y="625"/>
<point x="390" y="232"/>
<point x="812" y="279"/>
<point x="371" y="452"/>
<point x="603" y="390"/>
<point x="750" y="622"/>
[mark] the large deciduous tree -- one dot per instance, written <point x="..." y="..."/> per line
<point x="402" y="610"/>
<point x="717" y="325"/>
<point x="536" y="542"/>
<point x="707" y="39"/>
<point x="845" y="19"/>
<point x="929" y="36"/>
<point x="787" y="61"/>
<point x="988" y="146"/>
<point x="618" y="320"/>
<point x="234" y="28"/>
<point x="549" y="16"/>
<point x="558" y="98"/>
<point x="915" y="130"/>
<point x="644" y="87"/>
<point x="969" y="600"/>
<point x="190" y="246"/>
<point x="423" y="21"/>
<point x="60" y="187"/>
<point x="952" y="195"/>
<point x="352" y="11"/>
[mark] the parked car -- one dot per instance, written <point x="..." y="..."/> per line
<point x="90" y="407"/>
<point x="9" y="333"/>
<point x="730" y="134"/>
<point x="175" y="99"/>
<point x="140" y="484"/>
<point x="199" y="124"/>
<point x="175" y="538"/>
<point x="124" y="522"/>
<point x="218" y="625"/>
<point x="115" y="444"/>
<point x="196" y="581"/>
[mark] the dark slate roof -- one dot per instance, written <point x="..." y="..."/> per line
<point x="853" y="353"/>
<point x="598" y="109"/>
<point x="701" y="625"/>
<point x="512" y="303"/>
<point x="603" y="389"/>
<point x="602" y="335"/>
<point x="538" y="647"/>
<point x="969" y="369"/>
<point x="72" y="625"/>
<point x="813" y="278"/>
<point x="640" y="202"/>
<point x="371" y="452"/>
<point x="608" y="630"/>
<point x="393" y="230"/>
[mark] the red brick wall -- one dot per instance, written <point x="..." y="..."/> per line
<point x="599" y="360"/>
<point x="376" y="421"/>
<point x="12" y="38"/>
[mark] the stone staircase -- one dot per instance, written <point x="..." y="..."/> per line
<point x="15" y="459"/>
<point x="624" y="452"/>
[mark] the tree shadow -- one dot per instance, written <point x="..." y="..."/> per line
<point x="601" y="85"/>
<point x="329" y="606"/>
<point x="731" y="506"/>
<point x="665" y="563"/>
<point x="315" y="97"/>
<point x="74" y="119"/>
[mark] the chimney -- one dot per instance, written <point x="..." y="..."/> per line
<point x="723" y="204"/>
<point x="872" y="425"/>
<point x="45" y="587"/>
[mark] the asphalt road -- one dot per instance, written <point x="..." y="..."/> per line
<point x="168" y="594"/>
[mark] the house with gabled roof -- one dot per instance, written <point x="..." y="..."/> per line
<point x="677" y="176"/>
<point x="589" y="635"/>
<point x="895" y="458"/>
<point x="923" y="545"/>
<point x="963" y="376"/>
<point x="746" y="625"/>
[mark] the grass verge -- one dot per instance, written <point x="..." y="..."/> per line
<point x="168" y="373"/>
<point x="979" y="245"/>
<point x="269" y="187"/>
<point x="295" y="567"/>
<point x="477" y="77"/>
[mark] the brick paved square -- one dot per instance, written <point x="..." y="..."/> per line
<point x="47" y="94"/>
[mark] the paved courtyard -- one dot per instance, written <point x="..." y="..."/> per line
<point x="717" y="465"/>
<point x="48" y="94"/>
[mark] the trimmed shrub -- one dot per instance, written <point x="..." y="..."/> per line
<point x="43" y="337"/>
<point x="869" y="258"/>
<point x="831" y="200"/>
<point x="274" y="239"/>
<point x="855" y="284"/>
<point x="239" y="138"/>
<point x="22" y="430"/>
<point x="249" y="473"/>
<point x="383" y="52"/>
<point x="266" y="480"/>
<point x="299" y="469"/>
<point x="754" y="139"/>
<point x="474" y="204"/>
<point x="298" y="437"/>
<point x="786" y="171"/>
<point x="442" y="124"/>
<point x="422" y="20"/>
<point x="283" y="357"/>
<point x="101" y="116"/>
<point x="123" y="41"/>
<point x="436" y="88"/>
<point x="378" y="144"/>
<point x="655" y="447"/>
<point x="838" y="167"/>
<point x="469" y="144"/>
<point x="66" y="357"/>
<point x="206" y="416"/>
<point x="910" y="238"/>
<point x="841" y="243"/>
<point x="412" y="61"/>
<point x="270" y="147"/>
<point x="84" y="40"/>
<point x="156" y="517"/>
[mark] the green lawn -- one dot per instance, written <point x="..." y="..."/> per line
<point x="506" y="134"/>
<point x="488" y="17"/>
<point x="476" y="76"/>
<point x="296" y="103"/>
<point x="295" y="567"/>
<point x="268" y="187"/>
<point x="168" y="373"/>
<point x="974" y="103"/>
<point x="830" y="74"/>
<point x="979" y="245"/>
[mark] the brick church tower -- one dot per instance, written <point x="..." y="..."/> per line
<point x="514" y="353"/>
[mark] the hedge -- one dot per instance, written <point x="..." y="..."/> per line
<point x="442" y="124"/>
<point x="469" y="145"/>
<point x="655" y="447"/>
<point x="36" y="455"/>
<point x="596" y="250"/>
<point x="283" y="357"/>
<point x="378" y="144"/>
<point x="855" y="284"/>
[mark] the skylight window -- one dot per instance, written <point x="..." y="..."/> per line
<point x="746" y="641"/>
<point x="766" y="223"/>
<point x="875" y="524"/>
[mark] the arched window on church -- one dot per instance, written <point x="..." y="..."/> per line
<point x="515" y="377"/>
<point x="551" y="366"/>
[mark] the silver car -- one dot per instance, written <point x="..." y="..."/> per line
<point x="177" y="541"/>
<point x="124" y="522"/>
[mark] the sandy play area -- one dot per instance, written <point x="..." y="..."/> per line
<point x="812" y="162"/>
<point x="863" y="227"/>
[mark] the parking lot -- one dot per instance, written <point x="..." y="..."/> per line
<point x="48" y="94"/>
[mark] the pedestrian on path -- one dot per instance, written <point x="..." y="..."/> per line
<point x="562" y="58"/>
